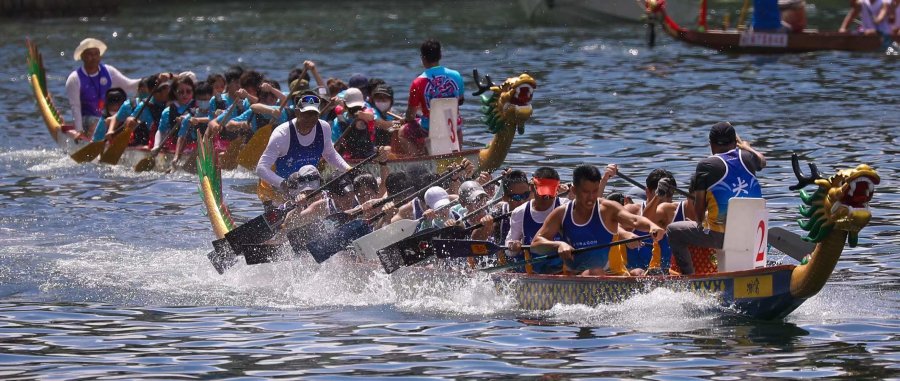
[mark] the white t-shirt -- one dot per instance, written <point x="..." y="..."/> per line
<point x="73" y="90"/>
<point x="516" y="219"/>
<point x="280" y="143"/>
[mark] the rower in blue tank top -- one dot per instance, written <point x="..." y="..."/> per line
<point x="660" y="187"/>
<point x="585" y="222"/>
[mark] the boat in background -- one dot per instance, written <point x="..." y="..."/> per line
<point x="749" y="41"/>
<point x="591" y="10"/>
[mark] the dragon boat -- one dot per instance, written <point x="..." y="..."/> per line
<point x="748" y="41"/>
<point x="505" y="112"/>
<point x="832" y="215"/>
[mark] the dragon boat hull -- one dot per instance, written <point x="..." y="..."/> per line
<point x="762" y="293"/>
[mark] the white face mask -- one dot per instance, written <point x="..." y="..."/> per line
<point x="384" y="106"/>
<point x="203" y="105"/>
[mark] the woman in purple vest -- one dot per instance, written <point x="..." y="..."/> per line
<point x="86" y="86"/>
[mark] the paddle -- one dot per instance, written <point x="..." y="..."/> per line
<point x="228" y="158"/>
<point x="149" y="162"/>
<point x="418" y="247"/>
<point x="93" y="149"/>
<point x="264" y="227"/>
<point x="790" y="243"/>
<point x="323" y="248"/>
<point x="465" y="248"/>
<point x="343" y="217"/>
<point x="643" y="187"/>
<point x="122" y="137"/>
<point x="249" y="156"/>
<point x="548" y="257"/>
<point x="369" y="245"/>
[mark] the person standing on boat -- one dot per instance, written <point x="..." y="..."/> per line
<point x="435" y="82"/>
<point x="86" y="86"/>
<point x="587" y="221"/>
<point x="730" y="172"/>
<point x="872" y="13"/>
<point x="301" y="141"/>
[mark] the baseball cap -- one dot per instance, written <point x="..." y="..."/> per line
<point x="308" y="101"/>
<point x="722" y="133"/>
<point x="307" y="178"/>
<point x="358" y="80"/>
<point x="636" y="194"/>
<point x="436" y="197"/>
<point x="470" y="190"/>
<point x="342" y="186"/>
<point x="354" y="98"/>
<point x="383" y="89"/>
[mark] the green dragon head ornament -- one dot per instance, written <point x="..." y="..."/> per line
<point x="841" y="201"/>
<point x="509" y="105"/>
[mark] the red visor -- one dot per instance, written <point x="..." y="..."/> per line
<point x="546" y="187"/>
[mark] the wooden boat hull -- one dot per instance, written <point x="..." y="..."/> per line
<point x="747" y="41"/>
<point x="762" y="293"/>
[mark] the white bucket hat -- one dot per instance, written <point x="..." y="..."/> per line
<point x="89" y="43"/>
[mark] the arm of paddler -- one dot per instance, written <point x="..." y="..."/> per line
<point x="260" y="108"/>
<point x="543" y="242"/>
<point x="277" y="147"/>
<point x="73" y="92"/>
<point x="629" y="221"/>
<point x="404" y="212"/>
<point x="516" y="231"/>
<point x="330" y="154"/>
<point x="240" y="122"/>
<point x="608" y="173"/>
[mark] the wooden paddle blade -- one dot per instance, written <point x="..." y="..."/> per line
<point x="253" y="150"/>
<point x="146" y="164"/>
<point x="322" y="249"/>
<point x="253" y="232"/>
<point x="222" y="257"/>
<point x="453" y="248"/>
<point x="117" y="147"/>
<point x="228" y="160"/>
<point x="89" y="152"/>
<point x="263" y="253"/>
<point x="369" y="245"/>
<point x="790" y="243"/>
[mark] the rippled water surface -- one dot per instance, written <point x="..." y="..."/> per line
<point x="103" y="271"/>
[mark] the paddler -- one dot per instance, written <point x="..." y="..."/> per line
<point x="267" y="111"/>
<point x="527" y="219"/>
<point x="196" y="122"/>
<point x="730" y="172"/>
<point x="115" y="98"/>
<point x="587" y="221"/>
<point x="86" y="86"/>
<point x="301" y="141"/>
<point x="149" y="115"/>
<point x="182" y="93"/>
<point x="435" y="82"/>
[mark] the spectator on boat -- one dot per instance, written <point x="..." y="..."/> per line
<point x="383" y="99"/>
<point x="873" y="15"/>
<point x="195" y="124"/>
<point x="115" y="98"/>
<point x="182" y="91"/>
<point x="766" y="16"/>
<point x="730" y="172"/>
<point x="149" y="116"/>
<point x="527" y="218"/>
<point x="586" y="221"/>
<point x="87" y="85"/>
<point x="267" y="111"/>
<point x="435" y="82"/>
<point x="301" y="141"/>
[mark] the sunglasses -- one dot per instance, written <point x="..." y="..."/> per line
<point x="310" y="99"/>
<point x="308" y="178"/>
<point x="520" y="196"/>
<point x="184" y="92"/>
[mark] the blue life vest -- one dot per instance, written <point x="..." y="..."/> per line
<point x="640" y="258"/>
<point x="530" y="227"/>
<point x="299" y="155"/>
<point x="594" y="232"/>
<point x="93" y="91"/>
<point x="737" y="182"/>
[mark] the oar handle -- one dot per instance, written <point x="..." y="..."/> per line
<point x="644" y="188"/>
<point x="379" y="204"/>
<point x="548" y="257"/>
<point x="419" y="192"/>
<point x="479" y="225"/>
<point x="476" y="211"/>
<point x="342" y="175"/>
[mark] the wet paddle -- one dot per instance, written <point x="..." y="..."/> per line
<point x="122" y="137"/>
<point x="263" y="227"/>
<point x="369" y="245"/>
<point x="790" y="243"/>
<point x="548" y="257"/>
<point x="417" y="248"/>
<point x="465" y="248"/>
<point x="149" y="162"/>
